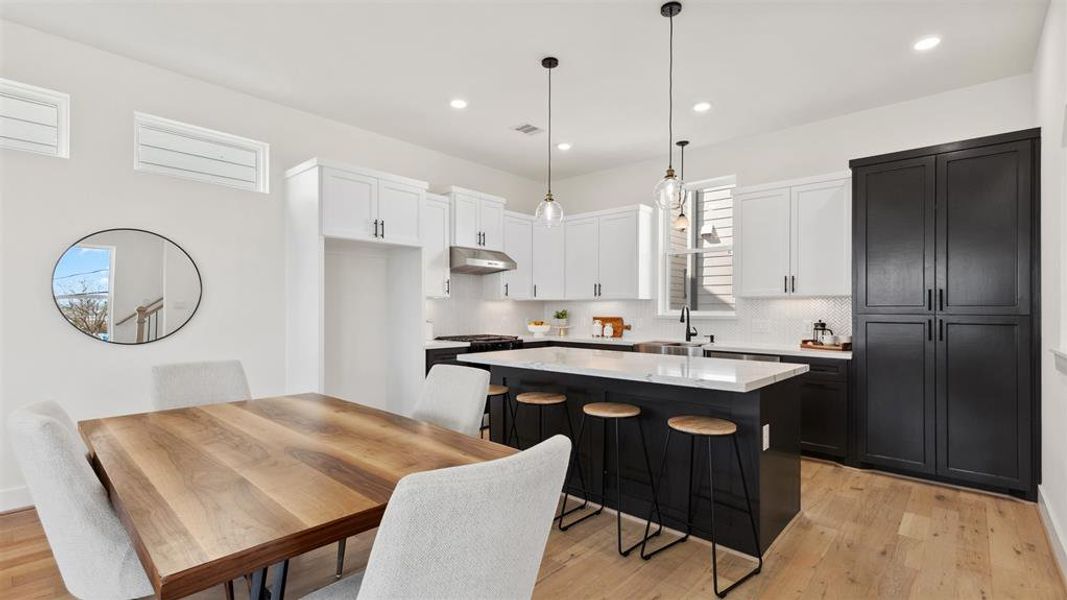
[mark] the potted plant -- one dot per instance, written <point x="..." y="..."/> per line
<point x="561" y="318"/>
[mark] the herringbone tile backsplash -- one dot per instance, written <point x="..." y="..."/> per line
<point x="764" y="321"/>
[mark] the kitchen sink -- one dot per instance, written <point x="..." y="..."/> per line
<point x="672" y="348"/>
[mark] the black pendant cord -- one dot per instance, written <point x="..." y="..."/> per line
<point x="549" y="133"/>
<point x="670" y="96"/>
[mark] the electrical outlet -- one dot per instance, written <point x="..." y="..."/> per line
<point x="767" y="436"/>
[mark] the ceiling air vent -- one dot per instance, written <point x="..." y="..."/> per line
<point x="191" y="152"/>
<point x="34" y="119"/>
<point x="528" y="129"/>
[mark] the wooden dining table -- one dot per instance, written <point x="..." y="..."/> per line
<point x="212" y="493"/>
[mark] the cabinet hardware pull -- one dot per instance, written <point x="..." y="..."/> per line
<point x="535" y="290"/>
<point x="785" y="284"/>
<point x="506" y="290"/>
<point x="383" y="229"/>
<point x="594" y="290"/>
<point x="600" y="289"/>
<point x="930" y="330"/>
<point x="448" y="286"/>
<point x="941" y="330"/>
<point x="793" y="279"/>
<point x="375" y="227"/>
<point x="929" y="299"/>
<point x="940" y="298"/>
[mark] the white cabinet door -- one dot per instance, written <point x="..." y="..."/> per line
<point x="349" y="205"/>
<point x="580" y="240"/>
<point x="398" y="210"/>
<point x="617" y="256"/>
<point x="821" y="239"/>
<point x="435" y="242"/>
<point x="549" y="262"/>
<point x="465" y="221"/>
<point x="491" y="224"/>
<point x="763" y="235"/>
<point x="518" y="244"/>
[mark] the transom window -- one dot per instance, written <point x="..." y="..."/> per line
<point x="697" y="263"/>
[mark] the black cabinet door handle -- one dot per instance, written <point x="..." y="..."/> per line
<point x="375" y="227"/>
<point x="793" y="280"/>
<point x="383" y="229"/>
<point x="785" y="284"/>
<point x="448" y="286"/>
<point x="940" y="298"/>
<point x="599" y="289"/>
<point x="940" y="330"/>
<point x="535" y="290"/>
<point x="506" y="290"/>
<point x="929" y="298"/>
<point x="930" y="330"/>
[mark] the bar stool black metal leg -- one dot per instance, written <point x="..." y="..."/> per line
<point x="752" y="522"/>
<point x="576" y="460"/>
<point x="259" y="588"/>
<point x="540" y="423"/>
<point x="514" y="426"/>
<point x="655" y="499"/>
<point x="340" y="558"/>
<point x="688" y="504"/>
<point x="281" y="574"/>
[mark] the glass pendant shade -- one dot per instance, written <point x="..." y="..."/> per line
<point x="681" y="222"/>
<point x="549" y="213"/>
<point x="666" y="191"/>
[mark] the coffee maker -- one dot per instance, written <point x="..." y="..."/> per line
<point x="820" y="333"/>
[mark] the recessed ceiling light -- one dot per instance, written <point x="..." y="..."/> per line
<point x="564" y="146"/>
<point x="927" y="43"/>
<point x="702" y="106"/>
<point x="458" y="103"/>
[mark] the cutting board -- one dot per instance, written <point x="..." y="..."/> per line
<point x="616" y="323"/>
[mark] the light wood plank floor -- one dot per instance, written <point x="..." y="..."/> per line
<point x="860" y="535"/>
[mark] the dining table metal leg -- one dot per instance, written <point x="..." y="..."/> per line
<point x="281" y="573"/>
<point x="258" y="591"/>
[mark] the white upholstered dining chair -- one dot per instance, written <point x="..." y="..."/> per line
<point x="191" y="384"/>
<point x="454" y="397"/>
<point x="475" y="531"/>
<point x="95" y="556"/>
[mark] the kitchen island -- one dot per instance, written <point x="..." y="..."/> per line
<point x="762" y="398"/>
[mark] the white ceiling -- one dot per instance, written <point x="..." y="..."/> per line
<point x="393" y="67"/>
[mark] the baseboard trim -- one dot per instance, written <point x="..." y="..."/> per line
<point x="15" y="499"/>
<point x="1053" y="533"/>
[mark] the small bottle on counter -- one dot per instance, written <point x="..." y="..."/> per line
<point x="598" y="328"/>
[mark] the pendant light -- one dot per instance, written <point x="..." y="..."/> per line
<point x="666" y="191"/>
<point x="549" y="213"/>
<point x="681" y="222"/>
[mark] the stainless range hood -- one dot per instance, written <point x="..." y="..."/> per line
<point x="479" y="261"/>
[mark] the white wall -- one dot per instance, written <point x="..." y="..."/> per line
<point x="236" y="237"/>
<point x="1050" y="96"/>
<point x="820" y="147"/>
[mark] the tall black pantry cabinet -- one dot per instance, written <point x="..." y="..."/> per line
<point x="945" y="304"/>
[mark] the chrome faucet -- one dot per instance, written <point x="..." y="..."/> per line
<point x="690" y="332"/>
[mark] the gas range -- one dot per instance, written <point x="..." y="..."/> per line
<point x="486" y="342"/>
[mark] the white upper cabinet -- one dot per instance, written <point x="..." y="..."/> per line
<point x="477" y="219"/>
<point x="580" y="242"/>
<point x="362" y="204"/>
<point x="794" y="238"/>
<point x="398" y="212"/>
<point x="518" y="244"/>
<point x="435" y="243"/>
<point x="762" y="230"/>
<point x="821" y="239"/>
<point x="609" y="254"/>
<point x="549" y="260"/>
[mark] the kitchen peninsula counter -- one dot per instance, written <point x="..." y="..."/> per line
<point x="762" y="398"/>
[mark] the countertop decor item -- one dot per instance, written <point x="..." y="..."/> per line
<point x="538" y="328"/>
<point x="617" y="325"/>
<point x="549" y="213"/>
<point x="815" y="345"/>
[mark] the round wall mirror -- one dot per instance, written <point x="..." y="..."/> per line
<point x="126" y="286"/>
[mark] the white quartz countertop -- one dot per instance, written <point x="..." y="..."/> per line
<point x="577" y="339"/>
<point x="708" y="373"/>
<point x="441" y="344"/>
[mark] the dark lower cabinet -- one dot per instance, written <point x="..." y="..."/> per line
<point x="984" y="400"/>
<point x="895" y="391"/>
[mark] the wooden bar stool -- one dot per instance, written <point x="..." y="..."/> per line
<point x="499" y="390"/>
<point x="709" y="428"/>
<point x="616" y="412"/>
<point x="540" y="400"/>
